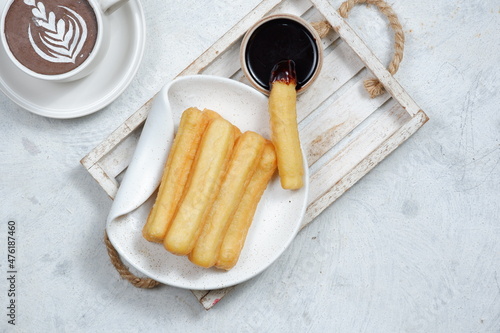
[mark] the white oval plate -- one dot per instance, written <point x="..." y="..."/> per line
<point x="277" y="219"/>
<point x="92" y="93"/>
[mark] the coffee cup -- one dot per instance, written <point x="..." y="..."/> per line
<point x="276" y="38"/>
<point x="56" y="40"/>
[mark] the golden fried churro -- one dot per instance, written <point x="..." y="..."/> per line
<point x="283" y="118"/>
<point x="208" y="169"/>
<point x="175" y="175"/>
<point x="237" y="231"/>
<point x="244" y="160"/>
<point x="211" y="113"/>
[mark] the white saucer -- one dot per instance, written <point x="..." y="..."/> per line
<point x="90" y="94"/>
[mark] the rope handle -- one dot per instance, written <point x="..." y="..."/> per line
<point x="373" y="85"/>
<point x="124" y="272"/>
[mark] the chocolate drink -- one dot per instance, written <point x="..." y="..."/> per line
<point x="51" y="36"/>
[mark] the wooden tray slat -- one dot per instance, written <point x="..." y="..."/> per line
<point x="358" y="149"/>
<point x="329" y="195"/>
<point x="339" y="66"/>
<point x="337" y="121"/>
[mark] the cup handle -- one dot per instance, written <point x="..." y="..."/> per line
<point x="109" y="6"/>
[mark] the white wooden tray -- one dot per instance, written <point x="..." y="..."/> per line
<point x="344" y="132"/>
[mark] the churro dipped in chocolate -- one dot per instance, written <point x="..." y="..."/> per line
<point x="284" y="128"/>
<point x="244" y="160"/>
<point x="209" y="168"/>
<point x="236" y="234"/>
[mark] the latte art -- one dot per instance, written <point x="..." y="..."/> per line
<point x="62" y="40"/>
<point x="51" y="36"/>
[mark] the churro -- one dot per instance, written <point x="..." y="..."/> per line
<point x="209" y="167"/>
<point x="246" y="155"/>
<point x="237" y="231"/>
<point x="284" y="128"/>
<point x="175" y="175"/>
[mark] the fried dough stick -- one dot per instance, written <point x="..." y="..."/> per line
<point x="175" y="175"/>
<point x="236" y="234"/>
<point x="208" y="170"/>
<point x="284" y="129"/>
<point x="243" y="162"/>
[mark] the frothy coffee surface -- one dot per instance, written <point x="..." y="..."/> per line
<point x="51" y="36"/>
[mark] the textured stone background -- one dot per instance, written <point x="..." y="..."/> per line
<point x="413" y="247"/>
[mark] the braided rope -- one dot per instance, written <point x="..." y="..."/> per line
<point x="124" y="272"/>
<point x="322" y="28"/>
<point x="373" y="86"/>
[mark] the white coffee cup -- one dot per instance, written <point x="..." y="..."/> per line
<point x="101" y="8"/>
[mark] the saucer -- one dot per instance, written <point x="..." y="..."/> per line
<point x="92" y="93"/>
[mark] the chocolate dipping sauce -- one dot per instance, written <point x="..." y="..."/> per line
<point x="278" y="40"/>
